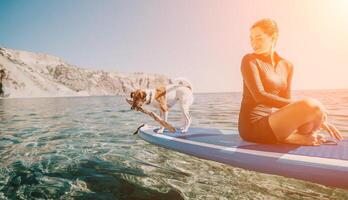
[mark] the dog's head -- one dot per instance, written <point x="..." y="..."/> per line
<point x="138" y="98"/>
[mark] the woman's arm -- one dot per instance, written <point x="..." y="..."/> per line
<point x="251" y="78"/>
<point x="287" y="92"/>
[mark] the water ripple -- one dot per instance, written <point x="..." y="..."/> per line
<point x="83" y="148"/>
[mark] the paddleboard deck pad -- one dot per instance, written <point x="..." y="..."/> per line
<point x="324" y="164"/>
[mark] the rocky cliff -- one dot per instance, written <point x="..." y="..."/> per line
<point x="30" y="74"/>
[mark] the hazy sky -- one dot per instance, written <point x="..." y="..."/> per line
<point x="203" y="40"/>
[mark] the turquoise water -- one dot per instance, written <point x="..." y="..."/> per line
<point x="83" y="148"/>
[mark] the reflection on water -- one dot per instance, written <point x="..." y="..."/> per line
<point x="83" y="148"/>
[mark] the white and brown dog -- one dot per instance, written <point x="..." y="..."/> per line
<point x="164" y="98"/>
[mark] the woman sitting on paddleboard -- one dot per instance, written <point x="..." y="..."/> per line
<point x="266" y="84"/>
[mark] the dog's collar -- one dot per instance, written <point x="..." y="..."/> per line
<point x="149" y="99"/>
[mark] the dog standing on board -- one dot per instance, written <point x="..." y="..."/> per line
<point x="164" y="98"/>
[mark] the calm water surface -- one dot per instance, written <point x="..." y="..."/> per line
<point x="83" y="148"/>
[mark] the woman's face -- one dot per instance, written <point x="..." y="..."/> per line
<point x="260" y="41"/>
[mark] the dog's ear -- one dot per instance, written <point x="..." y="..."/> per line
<point x="132" y="95"/>
<point x="143" y="95"/>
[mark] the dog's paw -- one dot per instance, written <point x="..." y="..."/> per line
<point x="183" y="130"/>
<point x="160" y="130"/>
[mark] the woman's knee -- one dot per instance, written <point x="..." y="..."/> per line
<point x="312" y="107"/>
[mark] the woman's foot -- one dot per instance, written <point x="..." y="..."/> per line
<point x="321" y="138"/>
<point x="313" y="139"/>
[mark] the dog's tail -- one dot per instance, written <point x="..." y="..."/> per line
<point x="183" y="82"/>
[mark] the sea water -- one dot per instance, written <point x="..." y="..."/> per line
<point x="84" y="148"/>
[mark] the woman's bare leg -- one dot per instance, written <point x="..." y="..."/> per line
<point x="301" y="116"/>
<point x="310" y="127"/>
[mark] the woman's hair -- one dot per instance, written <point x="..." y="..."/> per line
<point x="269" y="26"/>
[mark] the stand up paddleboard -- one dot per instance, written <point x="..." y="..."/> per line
<point x="324" y="164"/>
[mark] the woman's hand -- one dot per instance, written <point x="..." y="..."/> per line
<point x="334" y="132"/>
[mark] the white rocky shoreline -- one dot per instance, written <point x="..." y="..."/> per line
<point x="29" y="75"/>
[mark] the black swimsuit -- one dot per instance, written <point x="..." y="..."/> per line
<point x="264" y="87"/>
